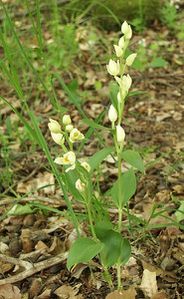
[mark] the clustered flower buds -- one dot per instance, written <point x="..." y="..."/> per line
<point x="118" y="69"/>
<point x="66" y="137"/>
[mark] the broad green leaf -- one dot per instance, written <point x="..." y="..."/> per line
<point x="102" y="227"/>
<point x="180" y="213"/>
<point x="158" y="62"/>
<point x="127" y="188"/>
<point x="82" y="251"/>
<point x="116" y="248"/>
<point x="134" y="159"/>
<point x="98" y="157"/>
<point x="125" y="252"/>
<point x="18" y="209"/>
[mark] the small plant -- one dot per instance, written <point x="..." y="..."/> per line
<point x="169" y="15"/>
<point x="104" y="238"/>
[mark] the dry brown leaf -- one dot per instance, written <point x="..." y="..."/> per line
<point x="44" y="181"/>
<point x="162" y="116"/>
<point x="128" y="294"/>
<point x="149" y="283"/>
<point x="45" y="295"/>
<point x="5" y="267"/>
<point x="160" y="295"/>
<point x="67" y="292"/>
<point x="8" y="291"/>
<point x="57" y="246"/>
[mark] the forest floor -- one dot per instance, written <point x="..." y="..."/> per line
<point x="33" y="246"/>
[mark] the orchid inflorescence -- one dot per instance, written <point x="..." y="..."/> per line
<point x="118" y="69"/>
<point x="104" y="233"/>
<point x="66" y="137"/>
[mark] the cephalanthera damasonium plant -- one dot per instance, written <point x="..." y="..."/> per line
<point x="104" y="239"/>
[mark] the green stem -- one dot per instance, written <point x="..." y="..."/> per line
<point x="90" y="218"/>
<point x="108" y="277"/>
<point x="120" y="213"/>
<point x="119" y="277"/>
<point x="119" y="194"/>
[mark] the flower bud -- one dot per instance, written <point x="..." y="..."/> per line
<point x="112" y="114"/>
<point x="113" y="67"/>
<point x="120" y="135"/>
<point x="66" y="120"/>
<point x="86" y="166"/>
<point x="126" y="30"/>
<point x="54" y="126"/>
<point x="76" y="135"/>
<point x="79" y="185"/>
<point x="118" y="51"/>
<point x="130" y="59"/>
<point x="69" y="128"/>
<point x="121" y="42"/>
<point x="58" y="138"/>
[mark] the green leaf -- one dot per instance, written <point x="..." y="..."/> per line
<point x="71" y="177"/>
<point x="82" y="251"/>
<point x="125" y="252"/>
<point x="93" y="124"/>
<point x="135" y="93"/>
<point x="127" y="188"/>
<point x="116" y="248"/>
<point x="20" y="210"/>
<point x="114" y="88"/>
<point x="158" y="62"/>
<point x="180" y="213"/>
<point x="98" y="157"/>
<point x="134" y="159"/>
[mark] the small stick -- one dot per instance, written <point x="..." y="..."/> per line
<point x="34" y="268"/>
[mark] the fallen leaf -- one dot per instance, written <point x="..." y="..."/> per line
<point x="45" y="295"/>
<point x="149" y="283"/>
<point x="160" y="295"/>
<point x="128" y="294"/>
<point x="162" y="116"/>
<point x="5" y="267"/>
<point x="67" y="292"/>
<point x="8" y="291"/>
<point x="57" y="246"/>
<point x="44" y="182"/>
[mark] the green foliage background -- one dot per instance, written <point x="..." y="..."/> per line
<point x="109" y="13"/>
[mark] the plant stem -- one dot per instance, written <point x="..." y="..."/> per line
<point x="90" y="219"/>
<point x="119" y="194"/>
<point x="108" y="277"/>
<point x="119" y="217"/>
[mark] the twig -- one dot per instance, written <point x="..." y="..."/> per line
<point x="34" y="268"/>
